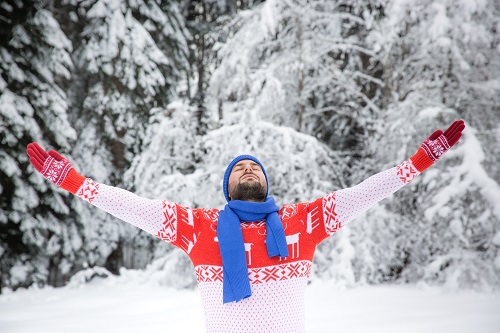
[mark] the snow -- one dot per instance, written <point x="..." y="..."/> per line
<point x="441" y="25"/>
<point x="108" y="305"/>
<point x="254" y="72"/>
<point x="496" y="239"/>
<point x="433" y="112"/>
<point x="268" y="14"/>
<point x="470" y="173"/>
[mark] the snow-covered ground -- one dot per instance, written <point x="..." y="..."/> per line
<point x="103" y="307"/>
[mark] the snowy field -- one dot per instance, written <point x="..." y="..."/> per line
<point x="101" y="307"/>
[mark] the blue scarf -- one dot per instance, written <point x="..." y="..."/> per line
<point x="236" y="285"/>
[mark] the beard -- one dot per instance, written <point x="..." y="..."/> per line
<point x="253" y="191"/>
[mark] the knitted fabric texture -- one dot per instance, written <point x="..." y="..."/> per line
<point x="73" y="181"/>
<point x="278" y="285"/>
<point x="421" y="160"/>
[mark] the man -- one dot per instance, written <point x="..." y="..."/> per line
<point x="252" y="259"/>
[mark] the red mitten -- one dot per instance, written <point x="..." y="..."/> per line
<point x="55" y="168"/>
<point x="436" y="145"/>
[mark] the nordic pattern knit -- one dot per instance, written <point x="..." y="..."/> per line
<point x="278" y="285"/>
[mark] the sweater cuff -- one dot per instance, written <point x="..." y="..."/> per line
<point x="420" y="160"/>
<point x="72" y="182"/>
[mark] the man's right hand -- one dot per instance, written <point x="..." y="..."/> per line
<point x="54" y="167"/>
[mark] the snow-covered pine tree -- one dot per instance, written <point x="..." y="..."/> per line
<point x="180" y="167"/>
<point x="307" y="65"/>
<point x="129" y="58"/>
<point x="39" y="237"/>
<point x="303" y="64"/>
<point x="204" y="19"/>
<point x="440" y="64"/>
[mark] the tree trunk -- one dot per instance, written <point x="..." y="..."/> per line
<point x="300" y="79"/>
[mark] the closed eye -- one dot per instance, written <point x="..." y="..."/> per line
<point x="255" y="166"/>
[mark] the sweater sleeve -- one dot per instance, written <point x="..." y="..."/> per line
<point x="157" y="217"/>
<point x="341" y="207"/>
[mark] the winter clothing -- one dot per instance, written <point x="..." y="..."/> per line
<point x="277" y="284"/>
<point x="436" y="145"/>
<point x="55" y="168"/>
<point x="236" y="283"/>
<point x="232" y="248"/>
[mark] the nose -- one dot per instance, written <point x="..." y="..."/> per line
<point x="248" y="168"/>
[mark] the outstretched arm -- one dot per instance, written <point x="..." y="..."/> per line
<point x="156" y="217"/>
<point x="343" y="206"/>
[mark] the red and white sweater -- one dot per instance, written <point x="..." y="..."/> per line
<point x="278" y="285"/>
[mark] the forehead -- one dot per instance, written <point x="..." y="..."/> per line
<point x="246" y="162"/>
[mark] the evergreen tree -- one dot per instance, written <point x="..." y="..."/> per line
<point x="39" y="237"/>
<point x="204" y="19"/>
<point x="439" y="65"/>
<point x="304" y="64"/>
<point x="300" y="169"/>
<point x="129" y="58"/>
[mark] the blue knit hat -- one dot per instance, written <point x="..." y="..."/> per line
<point x="230" y="168"/>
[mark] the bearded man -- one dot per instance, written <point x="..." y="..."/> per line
<point x="252" y="259"/>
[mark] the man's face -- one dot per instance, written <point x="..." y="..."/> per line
<point x="247" y="182"/>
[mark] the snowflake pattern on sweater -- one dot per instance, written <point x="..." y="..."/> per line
<point x="278" y="284"/>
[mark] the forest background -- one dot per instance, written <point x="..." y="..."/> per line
<point x="157" y="97"/>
